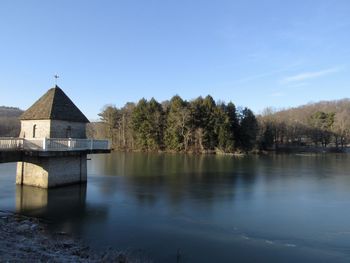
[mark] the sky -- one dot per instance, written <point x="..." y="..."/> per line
<point x="253" y="53"/>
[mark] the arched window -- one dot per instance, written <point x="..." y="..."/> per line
<point x="69" y="132"/>
<point x="34" y="130"/>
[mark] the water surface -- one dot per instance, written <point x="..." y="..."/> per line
<point x="290" y="208"/>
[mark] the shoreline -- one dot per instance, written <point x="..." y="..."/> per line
<point x="277" y="150"/>
<point x="26" y="239"/>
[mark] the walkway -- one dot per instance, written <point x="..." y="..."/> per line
<point x="12" y="149"/>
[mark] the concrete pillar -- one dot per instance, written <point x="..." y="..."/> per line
<point x="47" y="172"/>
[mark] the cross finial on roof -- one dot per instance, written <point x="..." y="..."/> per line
<point x="56" y="77"/>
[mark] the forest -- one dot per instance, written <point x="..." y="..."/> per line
<point x="323" y="124"/>
<point x="200" y="125"/>
<point x="203" y="125"/>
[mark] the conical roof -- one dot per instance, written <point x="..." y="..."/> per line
<point x="54" y="105"/>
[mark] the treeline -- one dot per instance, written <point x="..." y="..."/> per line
<point x="322" y="124"/>
<point x="200" y="125"/>
<point x="9" y="123"/>
<point x="203" y="125"/>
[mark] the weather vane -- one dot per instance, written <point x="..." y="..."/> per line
<point x="56" y="77"/>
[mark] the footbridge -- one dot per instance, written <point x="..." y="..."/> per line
<point x="50" y="162"/>
<point x="16" y="149"/>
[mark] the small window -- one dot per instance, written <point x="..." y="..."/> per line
<point x="34" y="130"/>
<point x="69" y="132"/>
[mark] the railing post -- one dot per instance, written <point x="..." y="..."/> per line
<point x="21" y="144"/>
<point x="44" y="144"/>
<point x="91" y="144"/>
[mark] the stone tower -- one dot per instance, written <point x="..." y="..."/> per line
<point x="54" y="115"/>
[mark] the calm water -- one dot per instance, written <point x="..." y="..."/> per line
<point x="290" y="208"/>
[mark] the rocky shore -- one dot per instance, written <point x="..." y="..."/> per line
<point x="24" y="239"/>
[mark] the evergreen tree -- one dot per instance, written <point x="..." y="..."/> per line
<point x="203" y="119"/>
<point x="178" y="129"/>
<point x="322" y="123"/>
<point x="231" y="112"/>
<point x="208" y="123"/>
<point x="197" y="123"/>
<point x="226" y="127"/>
<point x="156" y="120"/>
<point x="248" y="129"/>
<point x="147" y="122"/>
<point x="141" y="125"/>
<point x="222" y="129"/>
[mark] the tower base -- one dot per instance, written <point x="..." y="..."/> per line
<point x="48" y="172"/>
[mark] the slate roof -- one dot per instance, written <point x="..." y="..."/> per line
<point x="54" y="105"/>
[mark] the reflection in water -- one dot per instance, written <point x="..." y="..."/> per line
<point x="63" y="202"/>
<point x="256" y="199"/>
<point x="65" y="208"/>
<point x="174" y="177"/>
<point x="285" y="208"/>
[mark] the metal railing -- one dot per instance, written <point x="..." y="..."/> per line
<point x="11" y="143"/>
<point x="53" y="144"/>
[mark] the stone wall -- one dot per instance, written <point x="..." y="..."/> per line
<point x="66" y="129"/>
<point x="52" y="129"/>
<point x="42" y="129"/>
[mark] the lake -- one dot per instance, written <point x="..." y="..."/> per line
<point x="201" y="208"/>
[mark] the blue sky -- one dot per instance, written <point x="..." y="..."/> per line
<point x="254" y="53"/>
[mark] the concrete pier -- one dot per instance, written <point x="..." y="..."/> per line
<point x="52" y="171"/>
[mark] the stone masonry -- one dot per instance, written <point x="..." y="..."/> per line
<point x="52" y="129"/>
<point x="47" y="172"/>
<point x="54" y="115"/>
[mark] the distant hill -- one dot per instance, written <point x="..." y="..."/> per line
<point x="322" y="123"/>
<point x="301" y="113"/>
<point x="10" y="111"/>
<point x="9" y="121"/>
